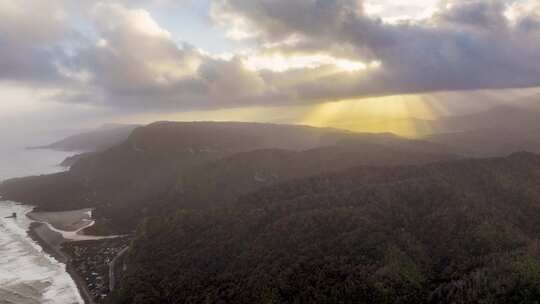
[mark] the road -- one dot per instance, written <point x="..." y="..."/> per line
<point x="112" y="267"/>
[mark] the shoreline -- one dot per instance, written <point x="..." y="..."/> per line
<point x="61" y="235"/>
<point x="38" y="232"/>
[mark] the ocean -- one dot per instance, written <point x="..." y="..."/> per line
<point x="17" y="161"/>
<point x="27" y="274"/>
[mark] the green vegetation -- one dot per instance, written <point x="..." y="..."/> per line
<point x="458" y="232"/>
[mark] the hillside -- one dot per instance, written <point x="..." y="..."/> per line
<point x="165" y="166"/>
<point x="459" y="232"/>
<point x="226" y="179"/>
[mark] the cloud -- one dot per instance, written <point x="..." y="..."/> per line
<point x="464" y="45"/>
<point x="132" y="51"/>
<point x="301" y="52"/>
<point x="136" y="64"/>
<point x="30" y="32"/>
<point x="395" y="11"/>
<point x="278" y="20"/>
<point x="525" y="15"/>
<point x="479" y="15"/>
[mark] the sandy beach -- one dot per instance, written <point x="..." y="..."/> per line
<point x="52" y="229"/>
<point x="51" y="242"/>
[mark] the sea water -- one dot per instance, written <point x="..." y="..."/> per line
<point x="27" y="274"/>
<point x="17" y="161"/>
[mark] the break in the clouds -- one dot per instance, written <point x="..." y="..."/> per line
<point x="118" y="54"/>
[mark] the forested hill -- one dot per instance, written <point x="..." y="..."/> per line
<point x="168" y="165"/>
<point x="458" y="232"/>
<point x="226" y="179"/>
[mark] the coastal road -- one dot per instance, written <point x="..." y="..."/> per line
<point x="112" y="267"/>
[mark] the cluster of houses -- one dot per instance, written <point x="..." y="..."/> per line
<point x="91" y="260"/>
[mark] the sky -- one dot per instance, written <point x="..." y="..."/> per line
<point x="356" y="64"/>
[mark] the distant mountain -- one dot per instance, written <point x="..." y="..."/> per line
<point x="166" y="165"/>
<point x="497" y="132"/>
<point x="511" y="117"/>
<point x="490" y="142"/>
<point x="458" y="232"/>
<point x="96" y="140"/>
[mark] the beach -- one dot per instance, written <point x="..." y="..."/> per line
<point x="51" y="242"/>
<point x="52" y="230"/>
<point x="32" y="272"/>
<point x="37" y="261"/>
<point x="33" y="268"/>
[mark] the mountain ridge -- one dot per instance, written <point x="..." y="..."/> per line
<point x="160" y="166"/>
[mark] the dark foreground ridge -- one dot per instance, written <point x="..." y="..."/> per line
<point x="458" y="232"/>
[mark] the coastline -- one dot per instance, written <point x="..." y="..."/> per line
<point x="42" y="162"/>
<point x="87" y="258"/>
<point x="71" y="225"/>
<point x="51" y="242"/>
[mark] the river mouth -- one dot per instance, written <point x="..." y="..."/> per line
<point x="69" y="221"/>
<point x="69" y="224"/>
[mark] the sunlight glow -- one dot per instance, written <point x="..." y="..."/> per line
<point x="280" y="63"/>
<point x="405" y="115"/>
<point x="391" y="11"/>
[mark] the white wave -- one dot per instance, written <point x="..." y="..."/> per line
<point x="27" y="274"/>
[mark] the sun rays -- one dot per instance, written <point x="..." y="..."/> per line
<point x="406" y="115"/>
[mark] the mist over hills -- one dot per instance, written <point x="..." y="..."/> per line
<point x="176" y="165"/>
<point x="207" y="164"/>
<point x="227" y="212"/>
<point x="497" y="132"/>
<point x="102" y="138"/>
<point x="500" y="131"/>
